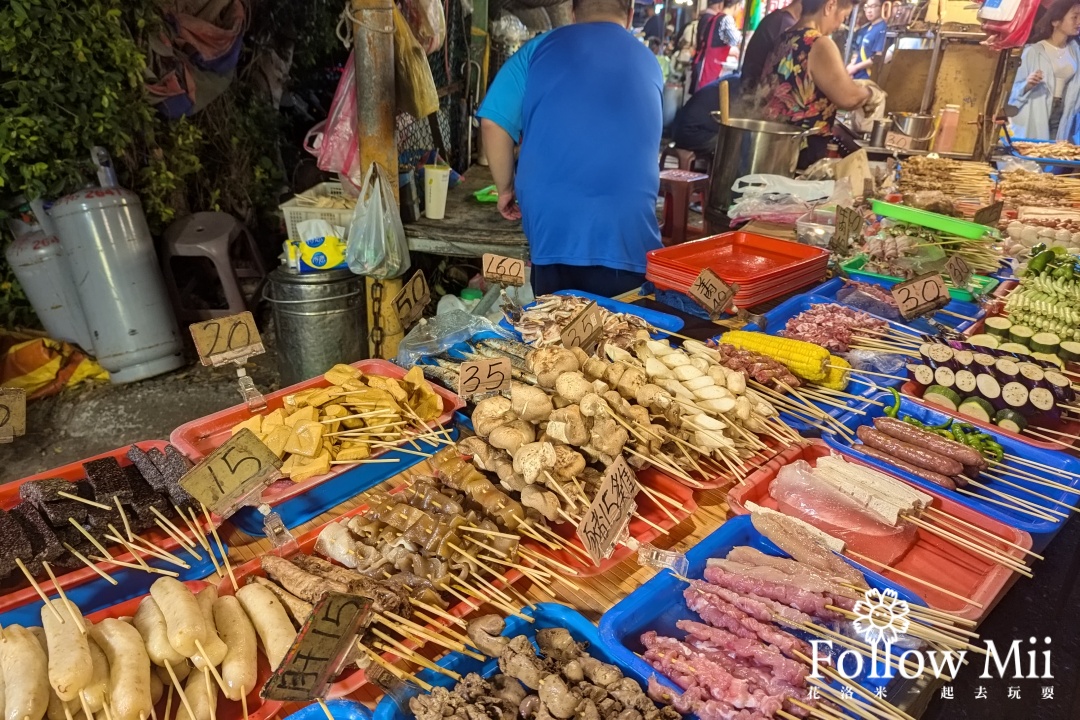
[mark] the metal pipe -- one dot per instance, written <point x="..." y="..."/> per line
<point x="931" y="75"/>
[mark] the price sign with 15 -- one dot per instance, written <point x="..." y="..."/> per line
<point x="504" y="270"/>
<point x="921" y="295"/>
<point x="235" y="472"/>
<point x="12" y="414"/>
<point x="228" y="339"/>
<point x="409" y="304"/>
<point x="610" y="511"/>
<point x="486" y="375"/>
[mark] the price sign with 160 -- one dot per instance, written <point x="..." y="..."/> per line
<point x="712" y="293"/>
<point x="477" y="377"/>
<point x="409" y="304"/>
<point x="610" y="511"/>
<point x="227" y="339"/>
<point x="240" y="467"/>
<point x="959" y="271"/>
<point x="505" y="270"/>
<point x="921" y="295"/>
<point x="12" y="413"/>
<point x="581" y="331"/>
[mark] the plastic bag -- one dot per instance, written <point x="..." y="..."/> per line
<point x="808" y="190"/>
<point x="769" y="207"/>
<point x="338" y="149"/>
<point x="416" y="91"/>
<point x="377" y="246"/>
<point x="428" y="22"/>
<point x="432" y="336"/>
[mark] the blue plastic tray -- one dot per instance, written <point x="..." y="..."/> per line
<point x="98" y="594"/>
<point x="658" y="604"/>
<point x="1042" y="531"/>
<point x="548" y="615"/>
<point x="340" y="709"/>
<point x="657" y="319"/>
<point x="335" y="491"/>
<point x="829" y="289"/>
<point x="1050" y="162"/>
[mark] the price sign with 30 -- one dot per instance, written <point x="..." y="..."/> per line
<point x="712" y="293"/>
<point x="12" y="413"/>
<point x="236" y="470"/>
<point x="959" y="271"/>
<point x="921" y="295"/>
<point x="409" y="304"/>
<point x="505" y="270"/>
<point x="610" y="510"/>
<point x="477" y="377"/>
<point x="585" y="328"/>
<point x="227" y="339"/>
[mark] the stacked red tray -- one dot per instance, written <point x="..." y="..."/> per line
<point x="763" y="267"/>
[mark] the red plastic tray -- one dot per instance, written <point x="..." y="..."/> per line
<point x="757" y="295"/>
<point x="199" y="438"/>
<point x="738" y="256"/>
<point x="931" y="558"/>
<point x="258" y="708"/>
<point x="9" y="498"/>
<point x="641" y="531"/>
<point x="357" y="679"/>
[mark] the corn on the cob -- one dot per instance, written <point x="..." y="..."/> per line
<point x="837" y="379"/>
<point x="806" y="360"/>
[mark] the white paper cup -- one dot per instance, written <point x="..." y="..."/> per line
<point x="436" y="184"/>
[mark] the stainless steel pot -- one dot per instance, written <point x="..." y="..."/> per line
<point x="920" y="128"/>
<point x="747" y="147"/>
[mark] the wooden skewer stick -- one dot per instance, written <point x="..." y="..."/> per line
<point x="68" y="605"/>
<point x="221" y="546"/>
<point x="821" y="711"/>
<point x="149" y="549"/>
<point x="93" y="540"/>
<point x="90" y="715"/>
<point x="37" y="588"/>
<point x="930" y="612"/>
<point x="1048" y="499"/>
<point x="400" y="649"/>
<point x="131" y="549"/>
<point x="208" y="665"/>
<point x="179" y="690"/>
<point x="1019" y="474"/>
<point x="91" y="503"/>
<point x="473" y="603"/>
<point x="865" y="372"/>
<point x="448" y="631"/>
<point x="424" y="633"/>
<point x="243" y="702"/>
<point x="549" y="562"/>
<point x="863" y="559"/>
<point x="86" y="561"/>
<point x="988" y="553"/>
<point x="196" y="530"/>
<point x="1049" y="439"/>
<point x="659" y="504"/>
<point x="484" y="531"/>
<point x="942" y="516"/>
<point x="124" y="518"/>
<point x="168" y="531"/>
<point x="506" y="606"/>
<point x="841" y="393"/>
<point x="133" y="566"/>
<point x="438" y="611"/>
<point x="1020" y="502"/>
<point x="396" y="672"/>
<point x="1039" y="466"/>
<point x="322" y="704"/>
<point x="859" y="690"/>
<point x="922" y="632"/>
<point x="1008" y="506"/>
<point x="1058" y="432"/>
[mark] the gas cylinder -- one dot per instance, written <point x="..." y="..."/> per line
<point x="111" y="254"/>
<point x="39" y="263"/>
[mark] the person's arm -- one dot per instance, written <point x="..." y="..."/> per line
<point x="499" y="147"/>
<point x="1028" y="77"/>
<point x="829" y="73"/>
<point x="728" y="33"/>
<point x="855" y="67"/>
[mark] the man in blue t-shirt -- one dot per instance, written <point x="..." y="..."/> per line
<point x="869" y="41"/>
<point x="584" y="102"/>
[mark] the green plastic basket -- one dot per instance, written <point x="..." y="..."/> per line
<point x="983" y="284"/>
<point x="934" y="221"/>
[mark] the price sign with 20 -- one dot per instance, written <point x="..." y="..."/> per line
<point x="235" y="470"/>
<point x="921" y="295"/>
<point x="712" y="293"/>
<point x="583" y="329"/>
<point x="483" y="376"/>
<point x="409" y="304"/>
<point x="227" y="339"/>
<point x="505" y="270"/>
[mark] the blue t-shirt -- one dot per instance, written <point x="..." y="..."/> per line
<point x="869" y="41"/>
<point x="585" y="103"/>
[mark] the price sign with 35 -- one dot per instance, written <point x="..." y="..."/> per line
<point x="12" y="413"/>
<point x="712" y="293"/>
<point x="409" y="304"/>
<point x="921" y="295"/>
<point x="227" y="339"/>
<point x="477" y="377"/>
<point x="584" y="329"/>
<point x="610" y="510"/>
<point x="236" y="470"/>
<point x="505" y="270"/>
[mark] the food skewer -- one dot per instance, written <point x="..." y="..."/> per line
<point x="93" y="566"/>
<point x="39" y="591"/>
<point x="863" y="559"/>
<point x="396" y="672"/>
<point x="70" y="606"/>
<point x="91" y="503"/>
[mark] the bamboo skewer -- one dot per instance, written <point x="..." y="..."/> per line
<point x="124" y="519"/>
<point x="68" y="605"/>
<point x="424" y="633"/>
<point x="221" y="546"/>
<point x="208" y="665"/>
<point x="863" y="559"/>
<point x="396" y="672"/>
<point x="1041" y="466"/>
<point x="865" y="372"/>
<point x="93" y="566"/>
<point x="132" y="566"/>
<point x="91" y="503"/>
<point x="952" y="518"/>
<point x="1006" y="505"/>
<point x="322" y="704"/>
<point x="999" y="558"/>
<point x="179" y="690"/>
<point x="1025" y="475"/>
<point x="1048" y="499"/>
<point x="38" y="590"/>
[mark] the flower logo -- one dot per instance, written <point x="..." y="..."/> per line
<point x="881" y="616"/>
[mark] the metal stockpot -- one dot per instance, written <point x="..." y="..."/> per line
<point x="318" y="320"/>
<point x="749" y="147"/>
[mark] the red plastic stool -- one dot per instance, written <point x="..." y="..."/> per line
<point x="679" y="188"/>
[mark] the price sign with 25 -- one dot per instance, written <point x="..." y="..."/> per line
<point x="477" y="377"/>
<point x="505" y="270"/>
<point x="240" y="467"/>
<point x="583" y="330"/>
<point x="12" y="413"/>
<point x="921" y="295"/>
<point x="409" y="304"/>
<point x="227" y="339"/>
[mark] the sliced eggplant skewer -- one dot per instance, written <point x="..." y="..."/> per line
<point x="965" y="382"/>
<point x="945" y="376"/>
<point x="1015" y="395"/>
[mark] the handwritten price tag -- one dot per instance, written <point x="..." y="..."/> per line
<point x="849" y="226"/>
<point x="989" y="215"/>
<point x="227" y="339"/>
<point x="504" y="270"/>
<point x="921" y="295"/>
<point x="584" y="329"/>
<point x="478" y="377"/>
<point x="959" y="271"/>
<point x="320" y="648"/>
<point x="12" y="414"/>
<point x="240" y="467"/>
<point x="409" y="304"/>
<point x="610" y="511"/>
<point x="897" y="141"/>
<point x="712" y="293"/>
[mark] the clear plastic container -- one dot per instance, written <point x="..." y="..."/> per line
<point x="816" y="228"/>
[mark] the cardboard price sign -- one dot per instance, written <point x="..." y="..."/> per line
<point x="409" y="304"/>
<point x="240" y="467"/>
<point x="610" y="511"/>
<point x="583" y="330"/>
<point x="921" y="295"/>
<point x="989" y="215"/>
<point x="12" y="413"/>
<point x="227" y="339"/>
<point x="849" y="226"/>
<point x="897" y="141"/>
<point x="712" y="293"/>
<point x="959" y="271"/>
<point x="477" y="377"/>
<point x="320" y="648"/>
<point x="504" y="270"/>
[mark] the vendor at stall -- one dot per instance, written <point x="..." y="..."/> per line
<point x="806" y="80"/>
<point x="1047" y="91"/>
<point x="718" y="38"/>
<point x="584" y="102"/>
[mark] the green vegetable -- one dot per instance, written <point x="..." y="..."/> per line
<point x="895" y="409"/>
<point x="1038" y="263"/>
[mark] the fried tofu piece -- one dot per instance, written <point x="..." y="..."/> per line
<point x="355" y="453"/>
<point x="309" y="468"/>
<point x="340" y="374"/>
<point x="389" y="385"/>
<point x="276" y="439"/>
<point x="273" y="420"/>
<point x="306" y="438"/>
<point x="306" y="413"/>
<point x="253" y="423"/>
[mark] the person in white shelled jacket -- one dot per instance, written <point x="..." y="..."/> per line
<point x="1047" y="87"/>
